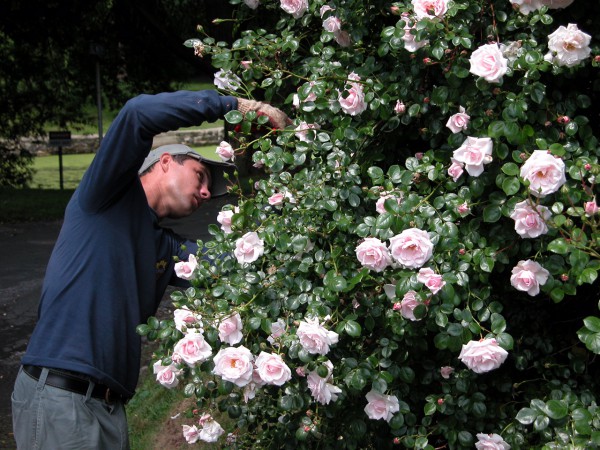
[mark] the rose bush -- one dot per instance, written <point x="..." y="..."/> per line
<point x="462" y="308"/>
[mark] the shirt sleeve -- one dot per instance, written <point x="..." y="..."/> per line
<point x="129" y="139"/>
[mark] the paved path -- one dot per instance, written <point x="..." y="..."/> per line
<point x="24" y="253"/>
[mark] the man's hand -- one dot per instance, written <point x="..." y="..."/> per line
<point x="277" y="118"/>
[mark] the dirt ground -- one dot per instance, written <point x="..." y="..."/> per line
<point x="24" y="253"/>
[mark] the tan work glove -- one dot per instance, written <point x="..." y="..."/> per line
<point x="277" y="118"/>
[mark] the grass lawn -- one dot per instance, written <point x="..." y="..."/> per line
<point x="89" y="121"/>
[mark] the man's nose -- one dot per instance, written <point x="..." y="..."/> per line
<point x="205" y="192"/>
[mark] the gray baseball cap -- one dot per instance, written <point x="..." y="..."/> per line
<point x="217" y="168"/>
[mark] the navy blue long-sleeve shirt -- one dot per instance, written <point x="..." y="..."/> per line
<point x="112" y="261"/>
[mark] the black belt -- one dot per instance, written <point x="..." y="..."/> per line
<point x="73" y="383"/>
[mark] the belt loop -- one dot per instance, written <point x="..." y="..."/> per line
<point x="42" y="380"/>
<point x="90" y="389"/>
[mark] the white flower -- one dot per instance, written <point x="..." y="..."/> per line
<point x="211" y="430"/>
<point x="249" y="248"/>
<point x="225" y="151"/>
<point x="474" y="153"/>
<point x="482" y="356"/>
<point x="381" y="406"/>
<point x="489" y="62"/>
<point x="230" y="329"/>
<point x="320" y="388"/>
<point x="187" y="321"/>
<point x="314" y="337"/>
<point x="491" y="442"/>
<point x="185" y="270"/>
<point x="568" y="46"/>
<point x="226" y="79"/>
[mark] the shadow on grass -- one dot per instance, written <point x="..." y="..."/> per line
<point x="33" y="205"/>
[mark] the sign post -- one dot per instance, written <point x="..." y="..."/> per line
<point x="60" y="139"/>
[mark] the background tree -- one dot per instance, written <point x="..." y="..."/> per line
<point x="48" y="72"/>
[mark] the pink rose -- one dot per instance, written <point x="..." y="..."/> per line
<point x="569" y="46"/>
<point x="373" y="254"/>
<point x="320" y="388"/>
<point x="400" y="107"/>
<point x="482" y="356"/>
<point x="324" y="9"/>
<point x="410" y="43"/>
<point x="491" y="442"/>
<point x="249" y="248"/>
<point x="304" y="133"/>
<point x="276" y="199"/>
<point x="354" y="102"/>
<point x="185" y="270"/>
<point x="412" y="248"/>
<point x="190" y="433"/>
<point x="380" y="204"/>
<point x="166" y="375"/>
<point x="458" y="122"/>
<point x="474" y="153"/>
<point x="463" y="209"/>
<point x="530" y="220"/>
<point x="234" y="364"/>
<point x="332" y="24"/>
<point x="252" y="4"/>
<point x="272" y="369"/>
<point x="430" y="8"/>
<point x="296" y="8"/>
<point x="187" y="321"/>
<point x="193" y="349"/>
<point x="225" y="151"/>
<point x="230" y="329"/>
<point x="277" y="330"/>
<point x="246" y="64"/>
<point x="227" y="80"/>
<point x="432" y="280"/>
<point x="224" y="218"/>
<point x="211" y="430"/>
<point x="446" y="371"/>
<point x="591" y="208"/>
<point x="488" y="62"/>
<point x="381" y="406"/>
<point x="527" y="6"/>
<point x="528" y="276"/>
<point x="456" y="169"/>
<point x="315" y="338"/>
<point x="545" y="173"/>
<point x="407" y="306"/>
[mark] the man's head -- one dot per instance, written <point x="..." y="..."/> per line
<point x="177" y="180"/>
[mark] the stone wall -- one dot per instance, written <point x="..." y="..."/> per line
<point x="89" y="143"/>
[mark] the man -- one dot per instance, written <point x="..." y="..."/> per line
<point x="109" y="270"/>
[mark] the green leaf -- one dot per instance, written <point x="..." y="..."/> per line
<point x="335" y="282"/>
<point x="560" y="246"/>
<point x="234" y="117"/>
<point x="556" y="409"/>
<point x="511" y="186"/>
<point x="589" y="334"/>
<point x="352" y="328"/>
<point x="492" y="213"/>
<point x="526" y="416"/>
<point x="510" y="169"/>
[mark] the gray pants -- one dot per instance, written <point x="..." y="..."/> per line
<point x="45" y="417"/>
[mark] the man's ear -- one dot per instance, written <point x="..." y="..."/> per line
<point x="165" y="160"/>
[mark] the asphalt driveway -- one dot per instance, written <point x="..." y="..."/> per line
<point x="24" y="253"/>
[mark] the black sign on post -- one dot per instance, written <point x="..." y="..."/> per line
<point x="59" y="139"/>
